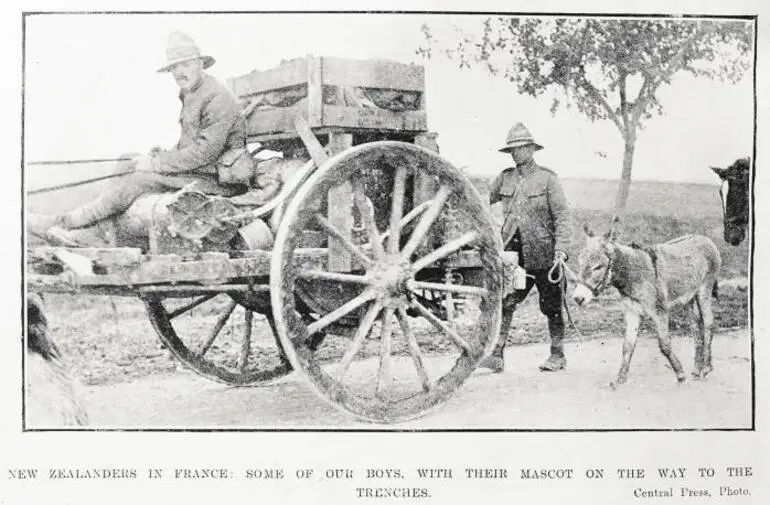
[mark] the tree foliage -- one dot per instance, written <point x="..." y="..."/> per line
<point x="609" y="69"/>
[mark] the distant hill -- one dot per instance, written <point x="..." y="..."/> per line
<point x="656" y="212"/>
<point x="661" y="198"/>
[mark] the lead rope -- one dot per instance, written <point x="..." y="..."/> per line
<point x="557" y="275"/>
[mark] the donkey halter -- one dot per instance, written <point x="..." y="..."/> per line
<point x="605" y="281"/>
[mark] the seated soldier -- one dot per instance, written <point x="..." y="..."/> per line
<point x="212" y="145"/>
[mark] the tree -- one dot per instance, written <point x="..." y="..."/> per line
<point x="609" y="69"/>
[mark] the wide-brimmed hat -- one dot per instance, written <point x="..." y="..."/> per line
<point x="182" y="47"/>
<point x="519" y="136"/>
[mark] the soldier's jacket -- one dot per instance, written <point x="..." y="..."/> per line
<point x="211" y="126"/>
<point x="534" y="203"/>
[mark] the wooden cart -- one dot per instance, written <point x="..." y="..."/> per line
<point x="375" y="238"/>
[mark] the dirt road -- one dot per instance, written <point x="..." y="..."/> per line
<point x="520" y="398"/>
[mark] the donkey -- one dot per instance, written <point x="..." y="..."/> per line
<point x="652" y="281"/>
<point x="734" y="196"/>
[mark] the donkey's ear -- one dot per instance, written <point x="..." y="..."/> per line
<point x="587" y="230"/>
<point x="612" y="234"/>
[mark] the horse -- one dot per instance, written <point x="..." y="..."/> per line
<point x="734" y="196"/>
<point x="652" y="281"/>
<point x="53" y="395"/>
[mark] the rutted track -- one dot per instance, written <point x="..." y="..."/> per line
<point x="520" y="398"/>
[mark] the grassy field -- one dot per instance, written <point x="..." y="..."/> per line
<point x="109" y="339"/>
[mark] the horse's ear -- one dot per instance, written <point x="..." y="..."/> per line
<point x="587" y="230"/>
<point x="721" y="172"/>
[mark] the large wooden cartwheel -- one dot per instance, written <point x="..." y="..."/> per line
<point x="401" y="359"/>
<point x="213" y="334"/>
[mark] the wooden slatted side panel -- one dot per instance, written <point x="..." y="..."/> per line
<point x="317" y="72"/>
<point x="275" y="120"/>
<point x="373" y="74"/>
<point x="359" y="117"/>
<point x="290" y="73"/>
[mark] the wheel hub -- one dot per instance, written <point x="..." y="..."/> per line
<point x="391" y="278"/>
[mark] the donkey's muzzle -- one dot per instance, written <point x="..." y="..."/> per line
<point x="582" y="294"/>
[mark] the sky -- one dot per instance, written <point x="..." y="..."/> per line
<point x="92" y="91"/>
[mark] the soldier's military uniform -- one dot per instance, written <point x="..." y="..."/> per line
<point x="537" y="225"/>
<point x="213" y="134"/>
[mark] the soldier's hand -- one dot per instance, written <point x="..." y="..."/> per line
<point x="143" y="163"/>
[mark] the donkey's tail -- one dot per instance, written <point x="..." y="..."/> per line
<point x="715" y="290"/>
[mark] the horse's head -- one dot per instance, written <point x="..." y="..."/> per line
<point x="595" y="264"/>
<point x="734" y="195"/>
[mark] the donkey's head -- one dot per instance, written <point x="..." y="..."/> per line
<point x="595" y="264"/>
<point x="734" y="196"/>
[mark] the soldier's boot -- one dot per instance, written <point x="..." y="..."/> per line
<point x="556" y="361"/>
<point x="38" y="224"/>
<point x="85" y="215"/>
<point x="84" y="226"/>
<point x="496" y="361"/>
<point x="102" y="234"/>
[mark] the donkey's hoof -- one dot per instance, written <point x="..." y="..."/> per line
<point x="701" y="373"/>
<point x="681" y="379"/>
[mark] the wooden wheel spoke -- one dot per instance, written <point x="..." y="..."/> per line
<point x="341" y="311"/>
<point x="385" y="349"/>
<point x="332" y="276"/>
<point x="410" y="216"/>
<point x="366" y="209"/>
<point x="345" y="241"/>
<point x="246" y="342"/>
<point x="363" y="330"/>
<point x="441" y="325"/>
<point x="217" y="328"/>
<point x="191" y="305"/>
<point x="445" y="250"/>
<point x="427" y="220"/>
<point x="397" y="209"/>
<point x="450" y="288"/>
<point x="414" y="348"/>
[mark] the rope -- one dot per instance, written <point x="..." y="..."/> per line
<point x="78" y="183"/>
<point x="562" y="271"/>
<point x="77" y="162"/>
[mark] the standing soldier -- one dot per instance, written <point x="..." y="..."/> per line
<point x="538" y="227"/>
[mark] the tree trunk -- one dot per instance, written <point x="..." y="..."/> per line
<point x="625" y="177"/>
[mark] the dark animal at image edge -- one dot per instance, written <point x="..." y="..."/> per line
<point x="52" y="394"/>
<point x="652" y="281"/>
<point x="734" y="199"/>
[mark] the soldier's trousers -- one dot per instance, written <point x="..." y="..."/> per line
<point x="124" y="190"/>
<point x="550" y="297"/>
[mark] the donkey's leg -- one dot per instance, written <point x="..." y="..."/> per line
<point x="664" y="343"/>
<point x="629" y="344"/>
<point x="696" y="328"/>
<point x="706" y="321"/>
